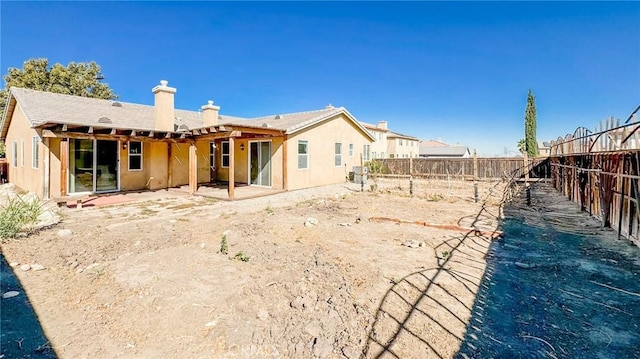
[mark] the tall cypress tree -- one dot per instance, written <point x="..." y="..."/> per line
<point x="531" y="144"/>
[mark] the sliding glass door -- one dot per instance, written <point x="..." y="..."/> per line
<point x="260" y="163"/>
<point x="93" y="166"/>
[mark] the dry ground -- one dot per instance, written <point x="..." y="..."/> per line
<point x="147" y="279"/>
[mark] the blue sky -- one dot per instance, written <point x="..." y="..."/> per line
<point x="458" y="71"/>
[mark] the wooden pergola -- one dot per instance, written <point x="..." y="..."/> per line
<point x="227" y="132"/>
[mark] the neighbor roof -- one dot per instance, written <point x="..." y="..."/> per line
<point x="449" y="151"/>
<point x="46" y="107"/>
<point x="399" y="135"/>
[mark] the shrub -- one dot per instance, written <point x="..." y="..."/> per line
<point x="17" y="215"/>
<point x="224" y="246"/>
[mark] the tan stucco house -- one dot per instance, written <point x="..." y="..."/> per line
<point x="59" y="145"/>
<point x="389" y="144"/>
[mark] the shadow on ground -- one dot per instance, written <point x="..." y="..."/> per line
<point x="21" y="335"/>
<point x="434" y="302"/>
<point x="558" y="285"/>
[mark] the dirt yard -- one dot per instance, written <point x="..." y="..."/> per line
<point x="147" y="279"/>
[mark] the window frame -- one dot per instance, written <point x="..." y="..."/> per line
<point x="366" y="152"/>
<point x="351" y="150"/>
<point x="306" y="154"/>
<point x="130" y="155"/>
<point x="225" y="155"/>
<point x="21" y="152"/>
<point x="337" y="159"/>
<point x="14" y="155"/>
<point x="35" y="152"/>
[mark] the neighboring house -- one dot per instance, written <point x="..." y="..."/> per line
<point x="402" y="146"/>
<point x="438" y="149"/>
<point x="379" y="132"/>
<point x="61" y="144"/>
<point x="544" y="149"/>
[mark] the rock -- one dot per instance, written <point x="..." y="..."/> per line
<point x="173" y="221"/>
<point x="64" y="233"/>
<point x="311" y="222"/>
<point x="412" y="243"/>
<point x="524" y="265"/>
<point x="14" y="264"/>
<point x="297" y="303"/>
<point x="37" y="267"/>
<point x="322" y="348"/>
<point x="25" y="267"/>
<point x="10" y="294"/>
<point x="263" y="314"/>
<point x="313" y="328"/>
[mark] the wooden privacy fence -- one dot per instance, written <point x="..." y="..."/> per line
<point x="461" y="168"/>
<point x="600" y="170"/>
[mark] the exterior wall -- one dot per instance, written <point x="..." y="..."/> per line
<point x="202" y="152"/>
<point x="157" y="165"/>
<point x="240" y="157"/>
<point x="321" y="166"/>
<point x="379" y="146"/>
<point x="403" y="148"/>
<point x="24" y="175"/>
<point x="179" y="164"/>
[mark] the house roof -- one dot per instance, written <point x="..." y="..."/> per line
<point x="449" y="151"/>
<point x="373" y="127"/>
<point x="399" y="135"/>
<point x="46" y="107"/>
<point x="433" y="143"/>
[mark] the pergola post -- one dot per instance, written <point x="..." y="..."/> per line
<point x="64" y="165"/>
<point x="193" y="167"/>
<point x="232" y="169"/>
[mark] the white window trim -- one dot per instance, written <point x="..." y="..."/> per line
<point x="35" y="152"/>
<point x="14" y="155"/>
<point x="305" y="154"/>
<point x="135" y="155"/>
<point x="223" y="155"/>
<point x="212" y="155"/>
<point x="335" y="155"/>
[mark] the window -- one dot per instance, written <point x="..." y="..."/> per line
<point x="22" y="153"/>
<point x="351" y="150"/>
<point x="212" y="155"/>
<point x="225" y="154"/>
<point x="365" y="152"/>
<point x="400" y="142"/>
<point x="374" y="154"/>
<point x="303" y="154"/>
<point x="35" y="153"/>
<point x="338" y="152"/>
<point x="135" y="156"/>
<point x="15" y="154"/>
<point x="381" y="154"/>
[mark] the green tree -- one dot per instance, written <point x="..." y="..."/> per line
<point x="531" y="144"/>
<point x="522" y="146"/>
<point x="77" y="78"/>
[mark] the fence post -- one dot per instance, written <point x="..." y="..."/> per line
<point x="526" y="177"/>
<point x="475" y="176"/>
<point x="410" y="176"/>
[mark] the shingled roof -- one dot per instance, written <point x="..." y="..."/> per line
<point x="43" y="108"/>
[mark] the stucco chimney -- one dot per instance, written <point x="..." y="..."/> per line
<point x="382" y="125"/>
<point x="163" y="107"/>
<point x="210" y="114"/>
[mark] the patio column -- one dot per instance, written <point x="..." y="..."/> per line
<point x="232" y="169"/>
<point x="285" y="165"/>
<point x="46" y="158"/>
<point x="64" y="165"/>
<point x="193" y="168"/>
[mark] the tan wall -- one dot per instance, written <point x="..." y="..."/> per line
<point x="379" y="146"/>
<point x="157" y="164"/>
<point x="409" y="148"/>
<point x="24" y="175"/>
<point x="322" y="169"/>
<point x="202" y="152"/>
<point x="55" y="166"/>
<point x="179" y="164"/>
